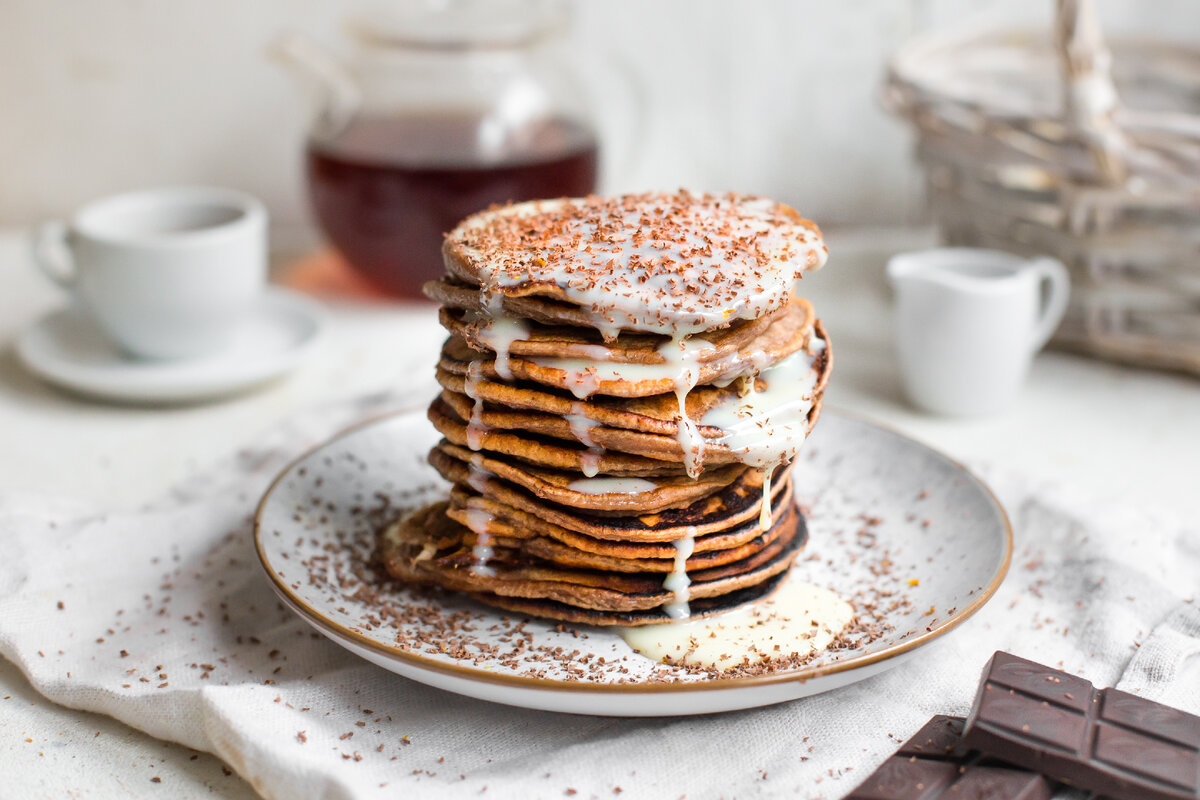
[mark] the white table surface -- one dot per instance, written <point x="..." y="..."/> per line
<point x="1114" y="430"/>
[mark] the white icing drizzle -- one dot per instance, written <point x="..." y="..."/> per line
<point x="477" y="478"/>
<point x="581" y="424"/>
<point x="593" y="352"/>
<point x="590" y="463"/>
<point x="499" y="331"/>
<point x="475" y="426"/>
<point x="582" y="376"/>
<point x="743" y="366"/>
<point x="683" y="357"/>
<point x="767" y="427"/>
<point x="764" y="514"/>
<point x="478" y="521"/>
<point x="677" y="582"/>
<point x="581" y="427"/>
<point x="612" y="486"/>
<point x="799" y="619"/>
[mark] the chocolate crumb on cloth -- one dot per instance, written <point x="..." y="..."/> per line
<point x="626" y="383"/>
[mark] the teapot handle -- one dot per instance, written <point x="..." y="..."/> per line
<point x="337" y="92"/>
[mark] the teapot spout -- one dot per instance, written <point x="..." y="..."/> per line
<point x="330" y="84"/>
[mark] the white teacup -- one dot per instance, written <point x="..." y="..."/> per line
<point x="167" y="273"/>
<point x="968" y="323"/>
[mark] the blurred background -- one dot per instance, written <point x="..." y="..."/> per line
<point x="778" y="97"/>
<point x="774" y="97"/>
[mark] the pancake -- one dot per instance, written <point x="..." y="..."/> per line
<point x="728" y="507"/>
<point x="718" y="532"/>
<point x="787" y="334"/>
<point x="660" y="493"/>
<point x="562" y="612"/>
<point x="504" y="527"/>
<point x="719" y="522"/>
<point x="578" y="342"/>
<point x="551" y="453"/>
<point x="408" y="553"/>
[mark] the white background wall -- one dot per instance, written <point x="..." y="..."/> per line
<point x="770" y="96"/>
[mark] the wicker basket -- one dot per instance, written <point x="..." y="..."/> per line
<point x="1041" y="143"/>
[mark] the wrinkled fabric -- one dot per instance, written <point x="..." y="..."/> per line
<point x="162" y="618"/>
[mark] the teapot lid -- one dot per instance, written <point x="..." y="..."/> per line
<point x="455" y="24"/>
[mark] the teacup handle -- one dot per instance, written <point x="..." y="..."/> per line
<point x="52" y="253"/>
<point x="1053" y="274"/>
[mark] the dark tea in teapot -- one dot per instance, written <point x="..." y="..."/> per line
<point x="385" y="189"/>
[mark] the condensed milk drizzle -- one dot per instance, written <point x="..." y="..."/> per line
<point x="612" y="486"/>
<point x="682" y="356"/>
<point x="799" y="619"/>
<point x="475" y="427"/>
<point x="677" y="581"/>
<point x="477" y="477"/>
<point x="590" y="462"/>
<point x="581" y="427"/>
<point x="764" y="514"/>
<point x="769" y="423"/>
<point x="478" y="521"/>
<point x="499" y="330"/>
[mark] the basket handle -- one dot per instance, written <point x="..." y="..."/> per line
<point x="1089" y="96"/>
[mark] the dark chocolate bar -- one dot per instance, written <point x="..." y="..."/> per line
<point x="934" y="763"/>
<point x="1110" y="742"/>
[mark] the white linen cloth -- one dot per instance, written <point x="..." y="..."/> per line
<point x="163" y="619"/>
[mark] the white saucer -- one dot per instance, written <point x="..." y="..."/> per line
<point x="67" y="349"/>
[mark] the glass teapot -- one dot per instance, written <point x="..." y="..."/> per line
<point x="445" y="107"/>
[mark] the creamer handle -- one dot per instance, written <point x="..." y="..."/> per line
<point x="1053" y="275"/>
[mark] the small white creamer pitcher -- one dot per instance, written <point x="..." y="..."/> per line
<point x="968" y="323"/>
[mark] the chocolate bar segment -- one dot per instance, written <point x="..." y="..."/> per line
<point x="1110" y="742"/>
<point x="934" y="763"/>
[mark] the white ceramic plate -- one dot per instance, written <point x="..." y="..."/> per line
<point x="67" y="349"/>
<point x="886" y="516"/>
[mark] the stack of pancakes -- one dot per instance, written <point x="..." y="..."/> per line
<point x="625" y="384"/>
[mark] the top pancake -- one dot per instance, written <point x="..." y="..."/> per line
<point x="673" y="264"/>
